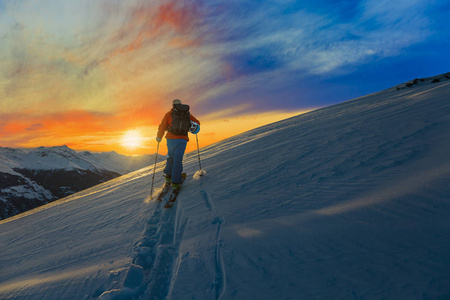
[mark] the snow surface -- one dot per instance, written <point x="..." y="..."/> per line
<point x="346" y="202"/>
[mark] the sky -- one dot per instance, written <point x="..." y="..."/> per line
<point x="99" y="75"/>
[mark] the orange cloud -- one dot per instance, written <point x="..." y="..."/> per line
<point x="77" y="128"/>
<point x="181" y="19"/>
<point x="12" y="129"/>
<point x="173" y="20"/>
<point x="24" y="128"/>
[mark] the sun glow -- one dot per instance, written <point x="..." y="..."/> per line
<point x="132" y="139"/>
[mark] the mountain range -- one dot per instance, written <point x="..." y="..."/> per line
<point x="33" y="177"/>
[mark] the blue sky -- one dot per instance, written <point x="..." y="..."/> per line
<point x="323" y="52"/>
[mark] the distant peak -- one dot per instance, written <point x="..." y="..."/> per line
<point x="58" y="148"/>
<point x="8" y="149"/>
<point x="63" y="147"/>
<point x="111" y="153"/>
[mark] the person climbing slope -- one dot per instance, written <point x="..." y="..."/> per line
<point x="177" y="122"/>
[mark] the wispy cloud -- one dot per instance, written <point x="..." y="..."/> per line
<point x="172" y="22"/>
<point x="282" y="39"/>
<point x="199" y="49"/>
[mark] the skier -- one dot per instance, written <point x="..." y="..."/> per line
<point x="177" y="122"/>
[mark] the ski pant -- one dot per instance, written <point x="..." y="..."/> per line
<point x="174" y="164"/>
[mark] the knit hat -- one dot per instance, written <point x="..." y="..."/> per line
<point x="176" y="101"/>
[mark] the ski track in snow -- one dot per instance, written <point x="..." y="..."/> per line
<point x="154" y="268"/>
<point x="166" y="229"/>
<point x="153" y="271"/>
<point x="219" y="282"/>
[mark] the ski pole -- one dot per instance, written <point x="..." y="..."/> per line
<point x="198" y="151"/>
<point x="154" y="169"/>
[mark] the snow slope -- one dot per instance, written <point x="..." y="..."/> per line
<point x="350" y="201"/>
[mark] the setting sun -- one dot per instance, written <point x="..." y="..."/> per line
<point x="132" y="139"/>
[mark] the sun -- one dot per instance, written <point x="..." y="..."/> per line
<point x="132" y="139"/>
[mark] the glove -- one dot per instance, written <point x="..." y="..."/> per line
<point x="158" y="139"/>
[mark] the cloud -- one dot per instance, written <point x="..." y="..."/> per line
<point x="173" y="22"/>
<point x="319" y="43"/>
<point x="112" y="52"/>
<point x="21" y="130"/>
<point x="387" y="12"/>
<point x="74" y="125"/>
<point x="35" y="127"/>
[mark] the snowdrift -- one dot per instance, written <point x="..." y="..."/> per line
<point x="348" y="201"/>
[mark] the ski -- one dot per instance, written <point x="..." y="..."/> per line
<point x="164" y="191"/>
<point x="174" y="194"/>
<point x="172" y="199"/>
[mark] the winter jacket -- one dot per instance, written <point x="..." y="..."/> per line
<point x="165" y="124"/>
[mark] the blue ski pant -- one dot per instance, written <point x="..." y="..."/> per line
<point x="174" y="164"/>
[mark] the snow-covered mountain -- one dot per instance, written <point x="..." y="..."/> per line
<point x="64" y="158"/>
<point x="33" y="177"/>
<point x="350" y="201"/>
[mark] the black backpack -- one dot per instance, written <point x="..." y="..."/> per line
<point x="181" y="120"/>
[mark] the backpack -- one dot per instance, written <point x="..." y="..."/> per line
<point x="181" y="120"/>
